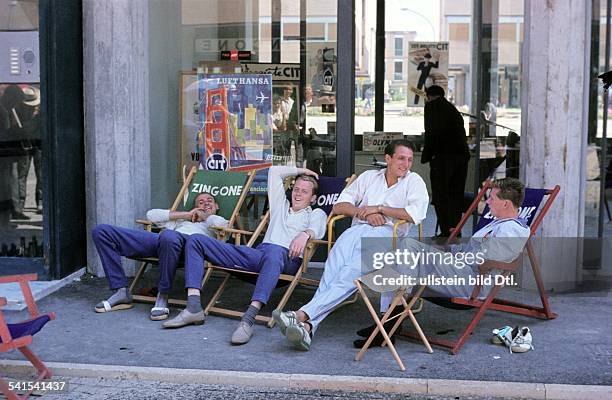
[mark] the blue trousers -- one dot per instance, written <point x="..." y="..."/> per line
<point x="270" y="260"/>
<point x="113" y="242"/>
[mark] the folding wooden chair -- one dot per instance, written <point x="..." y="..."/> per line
<point x="19" y="335"/>
<point x="530" y="210"/>
<point x="329" y="189"/>
<point x="229" y="189"/>
<point x="398" y="299"/>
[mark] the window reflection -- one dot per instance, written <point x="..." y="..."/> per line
<point x="21" y="204"/>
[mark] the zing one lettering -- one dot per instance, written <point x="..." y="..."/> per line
<point x="216" y="190"/>
<point x="327" y="199"/>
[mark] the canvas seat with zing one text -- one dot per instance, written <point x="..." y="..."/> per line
<point x="229" y="189"/>
<point x="531" y="211"/>
<point x="399" y="300"/>
<point x="329" y="190"/>
<point x="18" y="336"/>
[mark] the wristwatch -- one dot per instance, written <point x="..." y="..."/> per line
<point x="380" y="209"/>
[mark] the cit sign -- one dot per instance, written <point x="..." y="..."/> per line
<point x="216" y="162"/>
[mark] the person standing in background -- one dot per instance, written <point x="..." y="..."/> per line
<point x="447" y="153"/>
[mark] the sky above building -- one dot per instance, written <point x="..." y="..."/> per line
<point x="414" y="15"/>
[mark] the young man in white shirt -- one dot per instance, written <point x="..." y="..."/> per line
<point x="290" y="227"/>
<point x="376" y="200"/>
<point x="502" y="240"/>
<point x="113" y="242"/>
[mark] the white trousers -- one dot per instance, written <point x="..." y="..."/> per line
<point x="342" y="267"/>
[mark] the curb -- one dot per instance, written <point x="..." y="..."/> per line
<point x="439" y="387"/>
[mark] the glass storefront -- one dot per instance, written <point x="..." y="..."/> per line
<point x="21" y="153"/>
<point x="284" y="38"/>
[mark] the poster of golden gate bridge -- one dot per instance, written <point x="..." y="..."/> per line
<point x="235" y="121"/>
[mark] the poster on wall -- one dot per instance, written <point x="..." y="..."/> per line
<point x="427" y="65"/>
<point x="285" y="116"/>
<point x="285" y="109"/>
<point x="235" y="121"/>
<point x="189" y="112"/>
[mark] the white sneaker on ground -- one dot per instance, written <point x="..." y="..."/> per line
<point x="518" y="340"/>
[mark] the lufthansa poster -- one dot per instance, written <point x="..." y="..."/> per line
<point x="235" y="117"/>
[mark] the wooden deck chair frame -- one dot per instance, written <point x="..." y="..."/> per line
<point x="398" y="300"/>
<point x="221" y="234"/>
<point x="491" y="302"/>
<point x="293" y="280"/>
<point x="8" y="343"/>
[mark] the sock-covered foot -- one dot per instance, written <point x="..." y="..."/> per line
<point x="194" y="305"/>
<point x="250" y="314"/>
<point x="120" y="300"/>
<point x="160" y="310"/>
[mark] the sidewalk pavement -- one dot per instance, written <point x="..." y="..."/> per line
<point x="574" y="349"/>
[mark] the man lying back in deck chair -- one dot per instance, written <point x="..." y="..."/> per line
<point x="375" y="200"/>
<point x="291" y="225"/>
<point x="112" y="242"/>
<point x="502" y="240"/>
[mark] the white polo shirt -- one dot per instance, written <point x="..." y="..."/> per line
<point x="161" y="218"/>
<point x="285" y="223"/>
<point x="370" y="189"/>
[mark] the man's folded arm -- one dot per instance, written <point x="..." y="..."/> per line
<point x="345" y="208"/>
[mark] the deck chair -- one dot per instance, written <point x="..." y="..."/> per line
<point x="398" y="300"/>
<point x="329" y="189"/>
<point x="230" y="190"/>
<point x="19" y="335"/>
<point x="530" y="210"/>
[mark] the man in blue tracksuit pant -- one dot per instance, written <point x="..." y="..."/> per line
<point x="291" y="225"/>
<point x="113" y="242"/>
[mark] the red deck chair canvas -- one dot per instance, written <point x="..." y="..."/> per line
<point x="18" y="336"/>
<point x="530" y="210"/>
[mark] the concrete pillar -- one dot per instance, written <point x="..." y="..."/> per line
<point x="116" y="98"/>
<point x="555" y="73"/>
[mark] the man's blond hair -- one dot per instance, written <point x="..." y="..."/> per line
<point x="311" y="179"/>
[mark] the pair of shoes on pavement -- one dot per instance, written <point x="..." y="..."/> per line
<point x="294" y="331"/>
<point x="518" y="340"/>
<point x="241" y="335"/>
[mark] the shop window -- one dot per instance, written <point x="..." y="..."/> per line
<point x="459" y="32"/>
<point x="397" y="70"/>
<point x="399" y="47"/>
